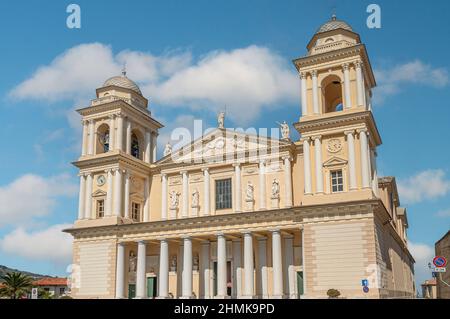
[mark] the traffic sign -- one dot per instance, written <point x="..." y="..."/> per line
<point x="440" y="269"/>
<point x="366" y="289"/>
<point x="364" y="283"/>
<point x="34" y="293"/>
<point x="440" y="261"/>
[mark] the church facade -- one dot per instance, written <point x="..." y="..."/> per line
<point x="236" y="215"/>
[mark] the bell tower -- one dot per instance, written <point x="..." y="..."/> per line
<point x="337" y="127"/>
<point x="118" y="151"/>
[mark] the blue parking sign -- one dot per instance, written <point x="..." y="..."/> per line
<point x="364" y="283"/>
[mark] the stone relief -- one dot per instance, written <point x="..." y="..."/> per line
<point x="174" y="199"/>
<point x="334" y="145"/>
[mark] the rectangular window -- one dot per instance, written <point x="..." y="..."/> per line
<point x="135" y="211"/>
<point x="100" y="208"/>
<point x="337" y="182"/>
<point x="223" y="194"/>
<point x="62" y="291"/>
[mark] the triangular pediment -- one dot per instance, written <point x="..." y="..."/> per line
<point x="224" y="143"/>
<point x="99" y="193"/>
<point x="335" y="161"/>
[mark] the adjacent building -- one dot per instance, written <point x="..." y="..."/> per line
<point x="442" y="248"/>
<point x="237" y="215"/>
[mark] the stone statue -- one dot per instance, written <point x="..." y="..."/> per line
<point x="174" y="199"/>
<point x="173" y="263"/>
<point x="249" y="193"/>
<point x="275" y="189"/>
<point x="168" y="149"/>
<point x="132" y="262"/>
<point x="195" y="262"/>
<point x="221" y="120"/>
<point x="284" y="130"/>
<point x="195" y="198"/>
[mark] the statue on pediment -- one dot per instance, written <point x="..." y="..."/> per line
<point x="167" y="149"/>
<point x="221" y="120"/>
<point x="284" y="130"/>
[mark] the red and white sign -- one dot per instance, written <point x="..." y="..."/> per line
<point x="440" y="261"/>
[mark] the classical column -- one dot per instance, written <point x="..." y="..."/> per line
<point x="303" y="94"/>
<point x="359" y="83"/>
<point x="221" y="266"/>
<point x="120" y="271"/>
<point x="109" y="193"/>
<point x="315" y="92"/>
<point x="147" y="157"/>
<point x="351" y="159"/>
<point x="364" y="158"/>
<point x="205" y="270"/>
<point x="82" y="195"/>
<point x="307" y="166"/>
<point x="91" y="140"/>
<point x="128" y="137"/>
<point x="164" y="196"/>
<point x="120" y="132"/>
<point x="237" y="268"/>
<point x="206" y="199"/>
<point x="248" y="265"/>
<point x="154" y="145"/>
<point x="185" y="195"/>
<point x="318" y="163"/>
<point x="238" y="192"/>
<point x="118" y="193"/>
<point x="163" y="269"/>
<point x="262" y="268"/>
<point x="187" y="268"/>
<point x="140" y="271"/>
<point x="88" y="196"/>
<point x="127" y="195"/>
<point x="288" y="180"/>
<point x="112" y="132"/>
<point x="289" y="258"/>
<point x="262" y="185"/>
<point x="84" y="142"/>
<point x="277" y="265"/>
<point x="146" y="211"/>
<point x="348" y="99"/>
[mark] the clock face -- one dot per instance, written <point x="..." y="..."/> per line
<point x="334" y="146"/>
<point x="101" y="180"/>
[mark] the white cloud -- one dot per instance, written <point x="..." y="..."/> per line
<point x="443" y="213"/>
<point x="390" y="81"/>
<point x="246" y="80"/>
<point x="423" y="254"/>
<point x="50" y="244"/>
<point x="32" y="196"/>
<point x="425" y="185"/>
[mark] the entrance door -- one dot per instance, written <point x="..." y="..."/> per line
<point x="300" y="288"/>
<point x="229" y="282"/>
<point x="131" y="291"/>
<point x="151" y="287"/>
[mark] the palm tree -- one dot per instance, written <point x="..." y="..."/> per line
<point x="15" y="285"/>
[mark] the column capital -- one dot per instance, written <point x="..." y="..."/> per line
<point x="108" y="170"/>
<point x="345" y="66"/>
<point x="186" y="237"/>
<point x="91" y="121"/>
<point x="183" y="172"/>
<point x="205" y="169"/>
<point x="246" y="232"/>
<point x="119" y="115"/>
<point x="305" y="139"/>
<point x="262" y="161"/>
<point x="275" y="230"/>
<point x="314" y="73"/>
<point x="362" y="130"/>
<point x="112" y="116"/>
<point x="302" y="75"/>
<point x="88" y="174"/>
<point x="317" y="137"/>
<point x="163" y="175"/>
<point x="220" y="234"/>
<point x="84" y="122"/>
<point x="236" y="164"/>
<point x="359" y="64"/>
<point x="141" y="242"/>
<point x="349" y="132"/>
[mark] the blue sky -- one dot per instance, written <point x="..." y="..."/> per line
<point x="172" y="47"/>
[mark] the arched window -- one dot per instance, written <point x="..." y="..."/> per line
<point x="332" y="94"/>
<point x="135" y="146"/>
<point x="102" y="139"/>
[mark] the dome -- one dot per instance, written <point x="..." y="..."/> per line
<point x="124" y="82"/>
<point x="334" y="24"/>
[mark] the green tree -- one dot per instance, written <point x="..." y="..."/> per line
<point x="15" y="285"/>
<point x="43" y="294"/>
